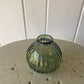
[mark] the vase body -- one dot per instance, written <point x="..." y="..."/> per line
<point x="44" y="55"/>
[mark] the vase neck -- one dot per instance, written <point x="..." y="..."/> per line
<point x="45" y="39"/>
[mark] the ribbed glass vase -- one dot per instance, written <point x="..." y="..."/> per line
<point x="44" y="55"/>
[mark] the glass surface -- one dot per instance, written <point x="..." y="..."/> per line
<point x="44" y="55"/>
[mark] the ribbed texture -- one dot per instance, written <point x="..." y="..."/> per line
<point x="44" y="58"/>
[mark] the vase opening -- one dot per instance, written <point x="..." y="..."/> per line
<point x="45" y="39"/>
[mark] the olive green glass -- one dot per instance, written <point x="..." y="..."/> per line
<point x="44" y="55"/>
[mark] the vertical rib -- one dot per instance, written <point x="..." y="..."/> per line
<point x="24" y="19"/>
<point x="46" y="16"/>
<point x="79" y="22"/>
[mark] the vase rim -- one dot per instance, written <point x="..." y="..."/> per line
<point x="45" y="39"/>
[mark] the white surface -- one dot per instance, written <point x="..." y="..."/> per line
<point x="70" y="71"/>
<point x="35" y="17"/>
<point x="63" y="18"/>
<point x="11" y="21"/>
<point x="80" y="36"/>
<point x="61" y="22"/>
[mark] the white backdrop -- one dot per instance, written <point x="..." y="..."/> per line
<point x="26" y="19"/>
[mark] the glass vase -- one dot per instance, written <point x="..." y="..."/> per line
<point x="44" y="55"/>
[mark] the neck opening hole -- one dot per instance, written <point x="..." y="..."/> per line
<point x="45" y="39"/>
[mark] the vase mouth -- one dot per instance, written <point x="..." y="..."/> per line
<point x="45" y="39"/>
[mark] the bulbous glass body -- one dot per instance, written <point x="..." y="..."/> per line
<point x="44" y="55"/>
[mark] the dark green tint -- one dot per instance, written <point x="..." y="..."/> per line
<point x="44" y="55"/>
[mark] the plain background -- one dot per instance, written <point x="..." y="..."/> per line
<point x="26" y="19"/>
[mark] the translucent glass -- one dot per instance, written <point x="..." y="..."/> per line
<point x="44" y="55"/>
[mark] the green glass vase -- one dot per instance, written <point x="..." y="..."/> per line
<point x="44" y="55"/>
